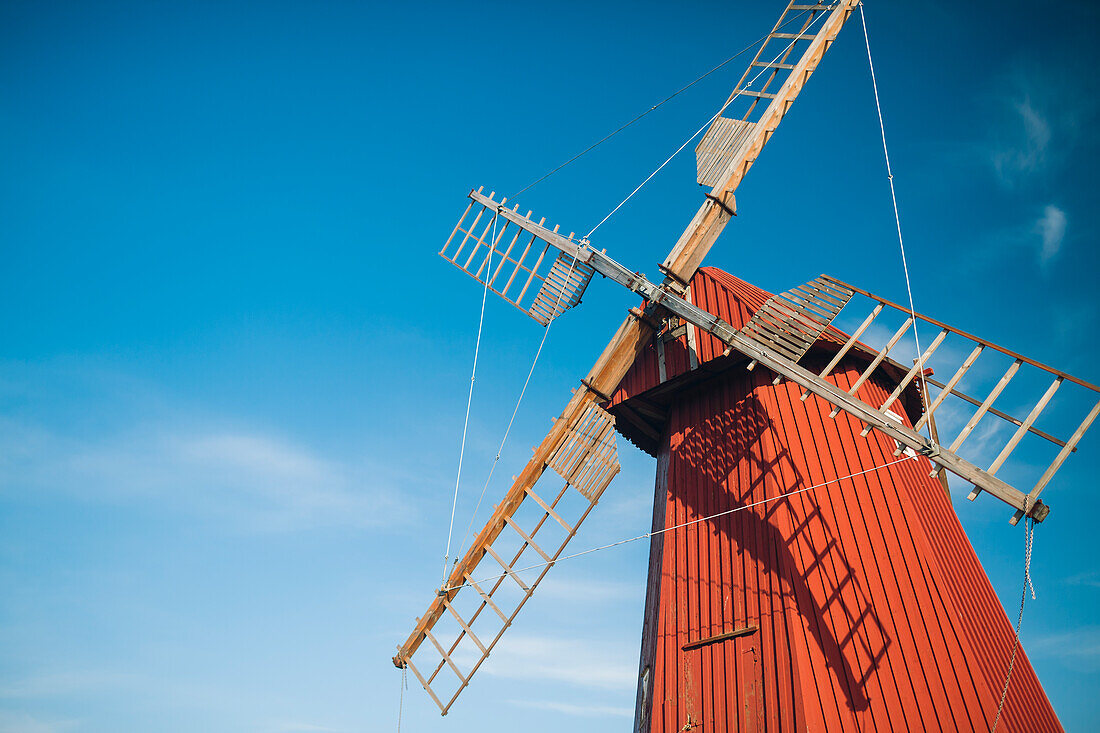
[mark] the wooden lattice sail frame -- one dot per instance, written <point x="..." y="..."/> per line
<point x="580" y="445"/>
<point x="639" y="327"/>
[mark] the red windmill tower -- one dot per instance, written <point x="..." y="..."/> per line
<point x="807" y="571"/>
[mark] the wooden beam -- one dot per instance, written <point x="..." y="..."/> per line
<point x="704" y="229"/>
<point x="972" y="337"/>
<point x="721" y="637"/>
<point x="630" y="340"/>
<point x="627" y="343"/>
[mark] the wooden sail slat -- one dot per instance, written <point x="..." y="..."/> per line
<point x="989" y="400"/>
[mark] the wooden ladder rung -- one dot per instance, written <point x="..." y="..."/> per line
<point x="488" y="600"/>
<point x="752" y="93"/>
<point x="549" y="510"/>
<point x="424" y="683"/>
<point x="772" y="65"/>
<point x="465" y="627"/>
<point x="446" y="657"/>
<point x="526" y="538"/>
<point x="507" y="569"/>
<point x="794" y="36"/>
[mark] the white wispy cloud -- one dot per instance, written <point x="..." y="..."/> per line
<point x="1090" y="579"/>
<point x="1052" y="228"/>
<point x="1078" y="649"/>
<point x="256" y="480"/>
<point x="298" y="727"/>
<point x="66" y="683"/>
<point x="21" y="722"/>
<point x="589" y="591"/>
<point x="588" y="711"/>
<point x="1026" y="153"/>
<point x="584" y="663"/>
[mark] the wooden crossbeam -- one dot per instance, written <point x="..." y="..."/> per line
<point x="918" y="364"/>
<point x="958" y="375"/>
<point x="994" y="411"/>
<point x="1024" y="427"/>
<point x="423" y="682"/>
<point x="971" y="337"/>
<point x="990" y="398"/>
<point x="469" y="632"/>
<point x="1033" y="495"/>
<point x="446" y="657"/>
<point x="527" y="538"/>
<point x="508" y="569"/>
<point x="550" y="511"/>
<point x="852" y="341"/>
<point x="876" y="361"/>
<point x="485" y="597"/>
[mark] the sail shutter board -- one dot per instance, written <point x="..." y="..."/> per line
<point x="587" y="457"/>
<point x="785" y="327"/>
<point x="718" y="147"/>
<point x="791" y="322"/>
<point x="500" y="248"/>
<point x="561" y="290"/>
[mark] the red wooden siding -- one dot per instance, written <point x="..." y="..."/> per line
<point x="872" y="610"/>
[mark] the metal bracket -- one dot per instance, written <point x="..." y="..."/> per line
<point x="725" y="207"/>
<point x="593" y="390"/>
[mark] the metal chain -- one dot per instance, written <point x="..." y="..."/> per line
<point x="1029" y="541"/>
<point x="401" y="699"/>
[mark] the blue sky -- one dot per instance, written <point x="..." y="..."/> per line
<point x="233" y="369"/>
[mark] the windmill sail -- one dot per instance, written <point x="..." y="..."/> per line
<point x="806" y="51"/>
<point x="498" y="575"/>
<point x="788" y="325"/>
<point x="791" y="322"/>
<point x="514" y="261"/>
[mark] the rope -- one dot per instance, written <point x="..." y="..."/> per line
<point x="897" y="218"/>
<point x="469" y="400"/>
<point x="684" y="524"/>
<point x="1029" y="540"/>
<point x="515" y="410"/>
<point x="705" y="126"/>
<point x="679" y="91"/>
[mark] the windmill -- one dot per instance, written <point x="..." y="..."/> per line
<point x="807" y="570"/>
